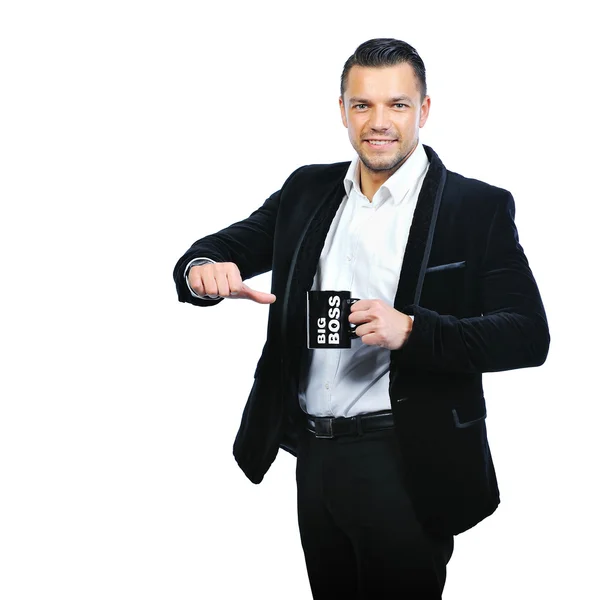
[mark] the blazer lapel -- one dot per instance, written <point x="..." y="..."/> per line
<point x="303" y="266"/>
<point x="305" y="260"/>
<point x="421" y="232"/>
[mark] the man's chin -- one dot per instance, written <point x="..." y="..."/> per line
<point x="383" y="165"/>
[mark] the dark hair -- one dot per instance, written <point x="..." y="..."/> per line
<point x="385" y="52"/>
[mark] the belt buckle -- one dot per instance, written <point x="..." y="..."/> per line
<point x="327" y="424"/>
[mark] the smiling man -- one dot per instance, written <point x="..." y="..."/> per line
<point x="389" y="434"/>
<point x="383" y="124"/>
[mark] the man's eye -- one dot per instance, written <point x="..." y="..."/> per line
<point x="399" y="104"/>
<point x="359" y="105"/>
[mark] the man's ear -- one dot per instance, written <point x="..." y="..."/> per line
<point x="343" y="111"/>
<point x="425" y="106"/>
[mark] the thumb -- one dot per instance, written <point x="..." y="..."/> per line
<point x="255" y="295"/>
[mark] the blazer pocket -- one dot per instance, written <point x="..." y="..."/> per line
<point x="462" y="423"/>
<point x="447" y="267"/>
<point x="444" y="288"/>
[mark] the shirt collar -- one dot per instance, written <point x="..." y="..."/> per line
<point x="399" y="184"/>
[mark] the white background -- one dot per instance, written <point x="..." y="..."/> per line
<point x="129" y="130"/>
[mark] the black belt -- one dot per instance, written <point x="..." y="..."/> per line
<point x="330" y="427"/>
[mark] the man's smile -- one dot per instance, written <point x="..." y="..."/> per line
<point x="380" y="143"/>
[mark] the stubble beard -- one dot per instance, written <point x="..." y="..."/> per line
<point x="392" y="163"/>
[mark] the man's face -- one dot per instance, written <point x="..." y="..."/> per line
<point x="383" y="103"/>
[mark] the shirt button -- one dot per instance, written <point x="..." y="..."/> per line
<point x="327" y="386"/>
<point x="348" y="258"/>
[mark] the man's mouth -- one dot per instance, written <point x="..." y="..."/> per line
<point x="380" y="142"/>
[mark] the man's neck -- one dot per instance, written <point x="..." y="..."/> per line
<point x="370" y="181"/>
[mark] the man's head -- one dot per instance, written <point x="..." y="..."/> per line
<point x="384" y="99"/>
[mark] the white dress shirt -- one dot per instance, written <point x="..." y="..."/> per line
<point x="363" y="253"/>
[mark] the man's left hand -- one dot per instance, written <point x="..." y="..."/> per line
<point x="380" y="324"/>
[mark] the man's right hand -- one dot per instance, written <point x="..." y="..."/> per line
<point x="224" y="279"/>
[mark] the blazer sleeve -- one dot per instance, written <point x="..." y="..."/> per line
<point x="247" y="243"/>
<point x="512" y="331"/>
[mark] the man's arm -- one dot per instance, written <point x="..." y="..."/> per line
<point x="512" y="331"/>
<point x="248" y="244"/>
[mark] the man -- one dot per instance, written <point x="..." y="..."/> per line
<point x="390" y="435"/>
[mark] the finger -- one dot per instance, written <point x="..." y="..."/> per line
<point x="255" y="295"/>
<point x="360" y="305"/>
<point x="222" y="283"/>
<point x="361" y="316"/>
<point x="234" y="280"/>
<point x="209" y="283"/>
<point x="364" y="329"/>
<point x="372" y="339"/>
<point x="195" y="280"/>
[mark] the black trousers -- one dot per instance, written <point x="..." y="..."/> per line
<point x="360" y="537"/>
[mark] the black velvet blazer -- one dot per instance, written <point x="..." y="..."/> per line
<point x="479" y="311"/>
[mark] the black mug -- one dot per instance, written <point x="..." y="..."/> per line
<point x="327" y="313"/>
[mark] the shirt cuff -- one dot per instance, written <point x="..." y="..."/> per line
<point x="196" y="262"/>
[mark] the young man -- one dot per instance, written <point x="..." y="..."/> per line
<point x="390" y="435"/>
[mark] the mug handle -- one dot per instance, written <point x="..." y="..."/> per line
<point x="352" y="326"/>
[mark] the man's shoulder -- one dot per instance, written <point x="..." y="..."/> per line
<point x="317" y="174"/>
<point x="475" y="196"/>
<point x="468" y="186"/>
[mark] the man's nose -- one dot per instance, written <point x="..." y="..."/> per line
<point x="380" y="118"/>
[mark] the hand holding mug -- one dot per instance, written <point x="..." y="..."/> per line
<point x="379" y="324"/>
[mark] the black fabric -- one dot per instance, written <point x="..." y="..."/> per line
<point x="479" y="311"/>
<point x="359" y="532"/>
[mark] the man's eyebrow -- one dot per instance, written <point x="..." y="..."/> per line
<point x="356" y="99"/>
